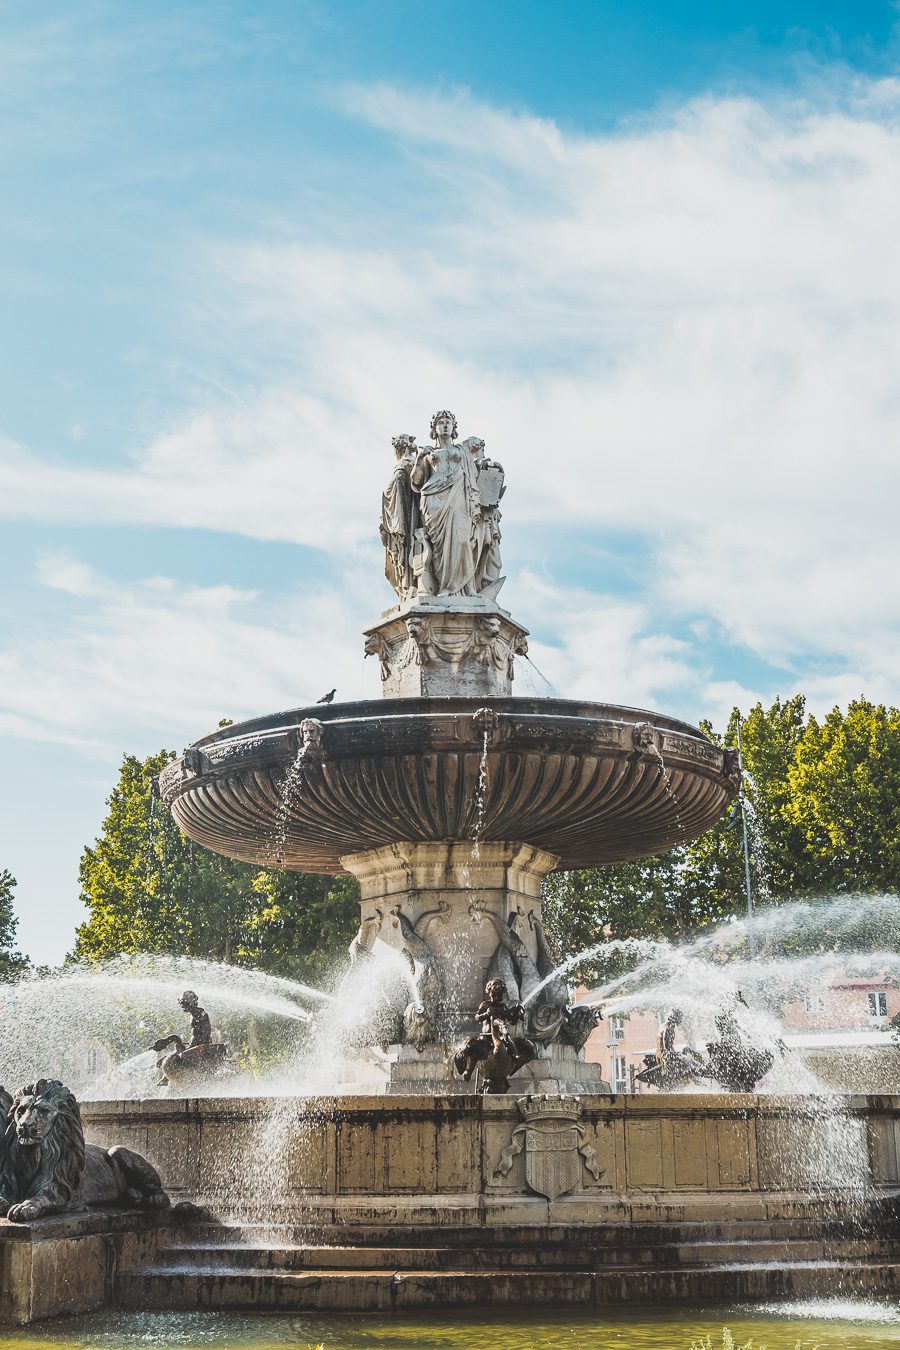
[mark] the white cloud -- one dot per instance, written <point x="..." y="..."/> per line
<point x="685" y="330"/>
<point x="156" y="660"/>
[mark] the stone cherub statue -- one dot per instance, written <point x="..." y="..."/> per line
<point x="440" y="517"/>
<point x="495" y="1052"/>
<point x="203" y="1058"/>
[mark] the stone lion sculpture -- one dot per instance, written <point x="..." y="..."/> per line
<point x="46" y="1167"/>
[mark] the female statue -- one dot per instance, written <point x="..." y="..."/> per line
<point x="445" y="478"/>
<point x="399" y="519"/>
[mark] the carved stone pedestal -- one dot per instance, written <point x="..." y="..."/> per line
<point x="446" y="649"/>
<point x="445" y="891"/>
<point x="557" y="1068"/>
<point x="450" y="906"/>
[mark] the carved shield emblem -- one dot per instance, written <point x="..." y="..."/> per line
<point x="552" y="1162"/>
<point x="554" y="1143"/>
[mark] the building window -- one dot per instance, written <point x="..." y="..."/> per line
<point x="814" y="1001"/>
<point x="878" y="1005"/>
<point x="620" y="1068"/>
<point x="617" y="1027"/>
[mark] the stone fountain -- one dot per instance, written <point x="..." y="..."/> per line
<point x="451" y="800"/>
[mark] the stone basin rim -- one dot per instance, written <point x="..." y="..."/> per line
<point x="383" y="709"/>
<point x="563" y="775"/>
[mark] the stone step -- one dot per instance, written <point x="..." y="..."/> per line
<point x="572" y="1255"/>
<point x="264" y="1290"/>
<point x="833" y="1221"/>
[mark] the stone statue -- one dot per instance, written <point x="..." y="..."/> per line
<point x="421" y="1015"/>
<point x="440" y="518"/>
<point x="495" y="1052"/>
<point x="733" y="1061"/>
<point x="491" y="487"/>
<point x="445" y="478"/>
<point x="544" y="993"/>
<point x="46" y="1167"/>
<point x="670" y="1068"/>
<point x="400" y="519"/>
<point x="203" y="1058"/>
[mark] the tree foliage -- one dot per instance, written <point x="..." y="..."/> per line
<point x="12" y="962"/>
<point x="150" y="889"/>
<point x="823" y="815"/>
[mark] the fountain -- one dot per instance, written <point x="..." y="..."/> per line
<point x="444" y="1138"/>
<point x="450" y="800"/>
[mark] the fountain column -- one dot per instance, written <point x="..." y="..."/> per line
<point x="448" y="891"/>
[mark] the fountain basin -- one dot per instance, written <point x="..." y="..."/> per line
<point x="588" y="782"/>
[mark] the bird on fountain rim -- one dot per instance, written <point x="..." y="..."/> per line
<point x="327" y="698"/>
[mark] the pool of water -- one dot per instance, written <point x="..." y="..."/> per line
<point x="823" y="1324"/>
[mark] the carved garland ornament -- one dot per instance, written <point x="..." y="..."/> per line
<point x="483" y="642"/>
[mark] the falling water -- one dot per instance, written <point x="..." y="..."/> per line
<point x="759" y="854"/>
<point x="291" y="788"/>
<point x="97" y="1022"/>
<point x="529" y="681"/>
<point x="666" y="778"/>
<point x="480" y="797"/>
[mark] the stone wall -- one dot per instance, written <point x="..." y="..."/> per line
<point x="459" y="1160"/>
<point x="69" y="1263"/>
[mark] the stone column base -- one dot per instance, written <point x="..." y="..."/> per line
<point x="558" y="1068"/>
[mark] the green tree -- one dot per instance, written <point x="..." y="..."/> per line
<point x="823" y="809"/>
<point x="844" y="798"/>
<point x="12" y="962"/>
<point x="150" y="889"/>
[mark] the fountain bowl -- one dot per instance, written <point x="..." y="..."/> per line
<point x="590" y="783"/>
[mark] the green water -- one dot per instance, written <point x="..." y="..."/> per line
<point x="850" y="1326"/>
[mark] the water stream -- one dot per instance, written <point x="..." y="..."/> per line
<point x="480" y="796"/>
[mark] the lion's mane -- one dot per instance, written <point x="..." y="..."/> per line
<point x="61" y="1150"/>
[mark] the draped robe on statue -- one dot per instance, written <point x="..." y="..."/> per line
<point x="449" y="502"/>
<point x="399" y="521"/>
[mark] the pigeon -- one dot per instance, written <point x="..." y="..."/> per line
<point x="327" y="698"/>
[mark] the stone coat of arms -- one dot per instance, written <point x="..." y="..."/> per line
<point x="554" y="1143"/>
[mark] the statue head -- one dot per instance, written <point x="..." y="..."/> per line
<point x="495" y="990"/>
<point x="675" y="1016"/>
<point x="404" y="445"/>
<point x="35" y="1109"/>
<point x="445" y="422"/>
<point x="189" y="1001"/>
<point x="643" y="737"/>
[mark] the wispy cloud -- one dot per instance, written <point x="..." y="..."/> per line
<point x="685" y="329"/>
<point x="136" y="657"/>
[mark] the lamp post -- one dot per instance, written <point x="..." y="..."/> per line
<point x="742" y="798"/>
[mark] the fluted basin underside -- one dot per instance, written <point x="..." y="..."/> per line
<point x="590" y="783"/>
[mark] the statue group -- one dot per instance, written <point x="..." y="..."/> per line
<point x="733" y="1061"/>
<point x="440" y="517"/>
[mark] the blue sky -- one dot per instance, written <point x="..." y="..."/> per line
<point x="648" y="251"/>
